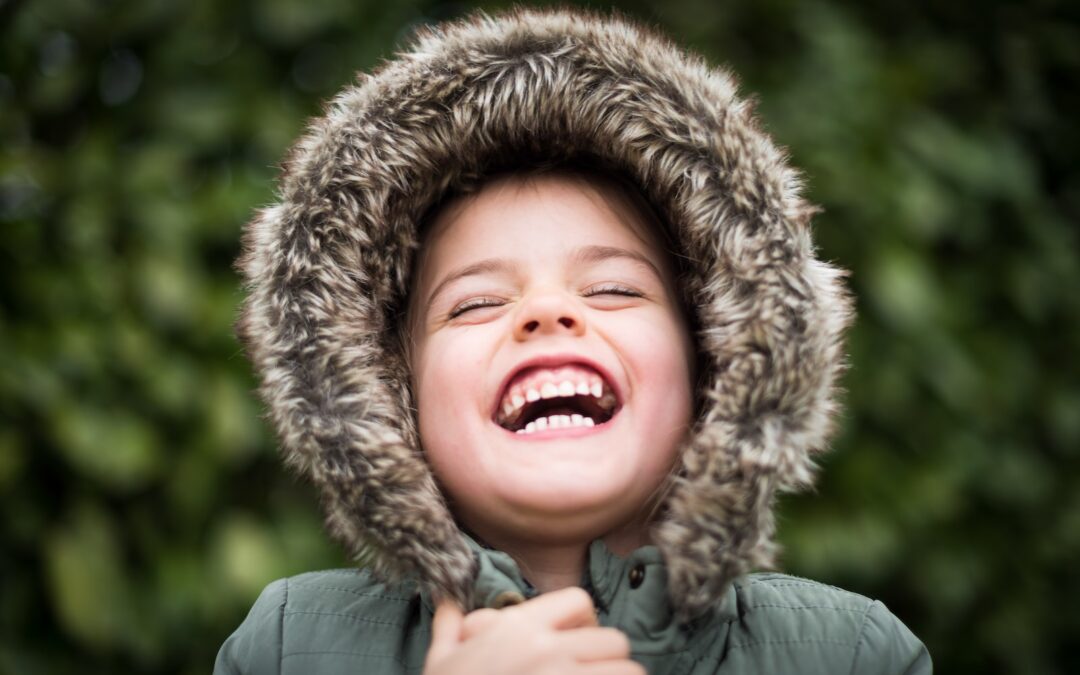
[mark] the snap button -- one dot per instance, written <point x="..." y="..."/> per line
<point x="637" y="575"/>
<point x="507" y="598"/>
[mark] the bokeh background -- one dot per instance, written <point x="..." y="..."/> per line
<point x="143" y="505"/>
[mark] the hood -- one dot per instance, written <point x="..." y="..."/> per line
<point x="327" y="268"/>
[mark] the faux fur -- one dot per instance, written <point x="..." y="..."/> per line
<point x="327" y="269"/>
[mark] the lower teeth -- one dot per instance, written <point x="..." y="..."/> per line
<point x="557" y="422"/>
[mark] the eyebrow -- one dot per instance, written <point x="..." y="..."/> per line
<point x="488" y="266"/>
<point x="585" y="255"/>
<point x="595" y="254"/>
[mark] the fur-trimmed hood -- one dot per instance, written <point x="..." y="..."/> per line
<point x="327" y="268"/>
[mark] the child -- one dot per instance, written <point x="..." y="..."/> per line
<point x="539" y="314"/>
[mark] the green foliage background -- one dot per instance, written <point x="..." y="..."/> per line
<point x="143" y="504"/>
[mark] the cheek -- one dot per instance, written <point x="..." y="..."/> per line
<point x="664" y="391"/>
<point x="435" y="413"/>
<point x="660" y="350"/>
<point x="443" y="357"/>
<point x="656" y="354"/>
<point x="449" y="392"/>
<point x="437" y="376"/>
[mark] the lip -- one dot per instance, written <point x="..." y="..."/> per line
<point x="550" y="361"/>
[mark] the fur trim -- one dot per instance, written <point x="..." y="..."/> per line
<point x="327" y="269"/>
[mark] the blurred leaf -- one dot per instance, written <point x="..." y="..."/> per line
<point x="87" y="581"/>
<point x="1021" y="478"/>
<point x="202" y="115"/>
<point x="112" y="447"/>
<point x="169" y="289"/>
<point x="232" y="418"/>
<point x="245" y="557"/>
<point x="1065" y="422"/>
<point x="903" y="289"/>
<point x="12" y="459"/>
<point x="861" y="545"/>
<point x="286" y="22"/>
<point x="991" y="164"/>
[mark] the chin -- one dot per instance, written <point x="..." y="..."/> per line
<point x="559" y="512"/>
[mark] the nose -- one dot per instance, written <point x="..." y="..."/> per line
<point x="552" y="312"/>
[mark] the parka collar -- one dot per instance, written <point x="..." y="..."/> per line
<point x="630" y="592"/>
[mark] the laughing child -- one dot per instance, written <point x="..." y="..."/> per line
<point x="538" y="312"/>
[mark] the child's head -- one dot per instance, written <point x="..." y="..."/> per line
<point x="328" y="266"/>
<point x="536" y="280"/>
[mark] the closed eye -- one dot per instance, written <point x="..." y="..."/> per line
<point x="474" y="303"/>
<point x="603" y="289"/>
<point x="612" y="289"/>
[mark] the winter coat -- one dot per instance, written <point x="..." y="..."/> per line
<point x="327" y="270"/>
<point x="343" y="621"/>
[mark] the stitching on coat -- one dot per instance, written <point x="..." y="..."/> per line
<point x="862" y="634"/>
<point x="365" y="654"/>
<point x="790" y="642"/>
<point x="679" y="666"/>
<point x="765" y="576"/>
<point x="281" y="623"/>
<point x="853" y="610"/>
<point x="681" y="653"/>
<point x="781" y="584"/>
<point x="355" y="592"/>
<point x="700" y="659"/>
<point x="349" y="616"/>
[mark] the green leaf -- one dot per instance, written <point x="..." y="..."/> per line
<point x="114" y="448"/>
<point x="87" y="581"/>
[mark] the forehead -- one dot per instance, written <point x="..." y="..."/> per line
<point x="518" y="213"/>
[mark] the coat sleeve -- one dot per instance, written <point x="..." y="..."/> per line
<point x="255" y="647"/>
<point x="887" y="647"/>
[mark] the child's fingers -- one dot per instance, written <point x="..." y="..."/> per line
<point x="570" y="607"/>
<point x="445" y="631"/>
<point x="595" y="644"/>
<point x="477" y="622"/>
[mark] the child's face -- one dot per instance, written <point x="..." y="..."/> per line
<point x="549" y="259"/>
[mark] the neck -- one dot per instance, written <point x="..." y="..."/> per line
<point x="551" y="566"/>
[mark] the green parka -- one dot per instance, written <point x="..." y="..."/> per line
<point x="344" y="622"/>
<point x="327" y="270"/>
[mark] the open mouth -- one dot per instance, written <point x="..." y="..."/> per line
<point x="567" y="396"/>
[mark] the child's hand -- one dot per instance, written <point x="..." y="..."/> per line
<point x="554" y="633"/>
